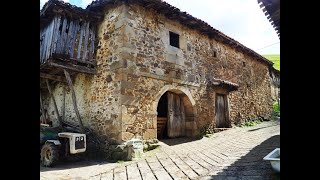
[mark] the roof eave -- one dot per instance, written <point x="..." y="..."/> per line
<point x="184" y="18"/>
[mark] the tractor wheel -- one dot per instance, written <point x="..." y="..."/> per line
<point x="49" y="154"/>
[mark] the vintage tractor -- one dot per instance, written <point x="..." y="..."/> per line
<point x="56" y="144"/>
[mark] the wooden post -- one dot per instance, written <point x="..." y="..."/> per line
<point x="64" y="104"/>
<point x="183" y="118"/>
<point x="74" y="100"/>
<point x="42" y="110"/>
<point x="54" y="103"/>
<point x="170" y="131"/>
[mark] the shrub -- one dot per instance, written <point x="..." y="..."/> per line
<point x="205" y="131"/>
<point x="276" y="109"/>
<point x="250" y="123"/>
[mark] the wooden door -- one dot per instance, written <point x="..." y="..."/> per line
<point x="221" y="111"/>
<point x="176" y="116"/>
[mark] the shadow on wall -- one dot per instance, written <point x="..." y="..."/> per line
<point x="252" y="165"/>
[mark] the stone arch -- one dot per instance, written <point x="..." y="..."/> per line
<point x="189" y="106"/>
<point x="175" y="89"/>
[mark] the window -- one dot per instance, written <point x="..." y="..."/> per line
<point x="174" y="39"/>
<point x="215" y="53"/>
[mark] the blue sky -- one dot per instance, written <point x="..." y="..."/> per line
<point x="242" y="20"/>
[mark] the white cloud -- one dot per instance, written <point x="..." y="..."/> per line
<point x="85" y="3"/>
<point x="242" y="20"/>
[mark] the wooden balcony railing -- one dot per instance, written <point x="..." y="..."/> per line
<point x="68" y="39"/>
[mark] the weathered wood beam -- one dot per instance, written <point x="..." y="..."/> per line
<point x="73" y="67"/>
<point x="49" y="34"/>
<point x="74" y="100"/>
<point x="91" y="51"/>
<point x="54" y="103"/>
<point x="80" y="40"/>
<point x="68" y="38"/>
<point x="52" y="77"/>
<point x="55" y="34"/>
<point x="74" y="37"/>
<point x="42" y="110"/>
<point x="64" y="104"/>
<point x="63" y="36"/>
<point x="55" y="71"/>
<point x="67" y="58"/>
<point x="86" y="40"/>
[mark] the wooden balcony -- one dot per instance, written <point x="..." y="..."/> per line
<point x="67" y="44"/>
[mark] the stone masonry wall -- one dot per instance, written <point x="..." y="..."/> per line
<point x="136" y="65"/>
<point x="106" y="86"/>
<point x="151" y="63"/>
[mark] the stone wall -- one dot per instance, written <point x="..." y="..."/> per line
<point x="105" y="100"/>
<point x="136" y="66"/>
<point x="151" y="64"/>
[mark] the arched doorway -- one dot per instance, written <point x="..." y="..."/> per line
<point x="175" y="115"/>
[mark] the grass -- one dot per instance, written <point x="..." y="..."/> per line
<point x="251" y="123"/>
<point x="275" y="58"/>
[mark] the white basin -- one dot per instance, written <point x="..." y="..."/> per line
<point x="274" y="158"/>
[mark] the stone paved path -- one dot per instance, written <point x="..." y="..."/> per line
<point x="232" y="154"/>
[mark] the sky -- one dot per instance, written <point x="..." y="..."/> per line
<point x="242" y="20"/>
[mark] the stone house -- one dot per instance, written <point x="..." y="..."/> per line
<point x="143" y="68"/>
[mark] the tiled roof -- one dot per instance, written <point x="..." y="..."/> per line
<point x="271" y="9"/>
<point x="230" y="85"/>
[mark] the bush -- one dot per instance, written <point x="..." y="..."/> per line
<point x="276" y="109"/>
<point x="205" y="131"/>
<point x="250" y="123"/>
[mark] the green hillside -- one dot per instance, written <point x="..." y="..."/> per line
<point x="275" y="58"/>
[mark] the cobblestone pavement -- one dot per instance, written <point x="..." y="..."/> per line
<point x="231" y="154"/>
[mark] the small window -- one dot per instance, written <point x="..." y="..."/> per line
<point x="244" y="64"/>
<point x="174" y="39"/>
<point x="215" y="53"/>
